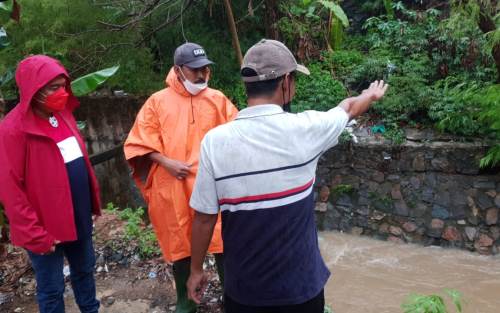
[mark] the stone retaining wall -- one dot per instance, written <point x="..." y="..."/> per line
<point x="430" y="190"/>
<point x="424" y="192"/>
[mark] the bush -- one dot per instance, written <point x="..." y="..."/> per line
<point x="319" y="91"/>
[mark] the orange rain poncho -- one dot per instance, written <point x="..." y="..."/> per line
<point x="173" y="123"/>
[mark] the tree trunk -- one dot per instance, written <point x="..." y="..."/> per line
<point x="234" y="32"/>
<point x="271" y="19"/>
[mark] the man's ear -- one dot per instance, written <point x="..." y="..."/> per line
<point x="177" y="70"/>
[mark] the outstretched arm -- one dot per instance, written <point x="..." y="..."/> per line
<point x="356" y="106"/>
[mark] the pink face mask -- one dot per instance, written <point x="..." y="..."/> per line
<point x="57" y="100"/>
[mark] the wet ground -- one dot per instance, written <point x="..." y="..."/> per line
<point x="367" y="276"/>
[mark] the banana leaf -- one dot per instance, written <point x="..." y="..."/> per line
<point x="88" y="83"/>
<point x="336" y="33"/>
<point x="337" y="11"/>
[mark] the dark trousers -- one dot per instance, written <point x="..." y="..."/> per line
<point x="50" y="279"/>
<point x="315" y="305"/>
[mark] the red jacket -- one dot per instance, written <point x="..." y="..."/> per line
<point x="34" y="184"/>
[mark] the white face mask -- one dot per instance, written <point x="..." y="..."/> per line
<point x="193" y="88"/>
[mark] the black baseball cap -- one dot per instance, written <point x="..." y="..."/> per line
<point x="191" y="55"/>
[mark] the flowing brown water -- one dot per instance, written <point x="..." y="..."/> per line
<point x="369" y="275"/>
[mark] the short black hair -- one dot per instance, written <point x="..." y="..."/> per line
<point x="264" y="88"/>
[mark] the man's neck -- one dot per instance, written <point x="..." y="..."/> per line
<point x="264" y="100"/>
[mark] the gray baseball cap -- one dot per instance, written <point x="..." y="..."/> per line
<point x="192" y="55"/>
<point x="270" y="59"/>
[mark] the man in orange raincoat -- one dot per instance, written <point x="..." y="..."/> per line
<point x="163" y="151"/>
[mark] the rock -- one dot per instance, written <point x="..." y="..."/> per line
<point x="484" y="241"/>
<point x="108" y="301"/>
<point x="99" y="269"/>
<point x="491" y="193"/>
<point x="419" y="210"/>
<point x="384" y="189"/>
<point x="377" y="215"/>
<point x="483" y="183"/>
<point x="436" y="228"/>
<point x="431" y="179"/>
<point x="363" y="201"/>
<point x="497" y="200"/>
<point x="345" y="201"/>
<point x="492" y="216"/>
<point x="378" y="176"/>
<point x="451" y="234"/>
<point x="409" y="227"/>
<point x="440" y="164"/>
<point x="495" y="232"/>
<point x="393" y="178"/>
<point x="324" y="193"/>
<point x="442" y="198"/>
<point x="428" y="195"/>
<point x="357" y="231"/>
<point x="396" y="231"/>
<point x="395" y="239"/>
<point x="372" y="186"/>
<point x="384" y="228"/>
<point x="440" y="212"/>
<point x="362" y="210"/>
<point x="437" y="223"/>
<point x="321" y="207"/>
<point x="415" y="182"/>
<point x="418" y="163"/>
<point x="401" y="208"/>
<point x="396" y="192"/>
<point x="483" y="201"/>
<point x="18" y="310"/>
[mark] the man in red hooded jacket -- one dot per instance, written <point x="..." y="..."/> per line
<point x="48" y="187"/>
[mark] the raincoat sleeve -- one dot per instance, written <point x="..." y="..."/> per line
<point x="144" y="138"/>
<point x="231" y="110"/>
<point x="26" y="229"/>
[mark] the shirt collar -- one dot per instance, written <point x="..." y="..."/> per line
<point x="260" y="110"/>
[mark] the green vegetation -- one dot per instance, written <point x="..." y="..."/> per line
<point x="137" y="231"/>
<point x="342" y="189"/>
<point x="441" y="58"/>
<point x="432" y="303"/>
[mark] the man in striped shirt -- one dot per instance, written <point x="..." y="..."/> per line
<point x="259" y="170"/>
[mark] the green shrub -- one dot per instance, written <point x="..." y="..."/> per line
<point x="456" y="110"/>
<point x="343" y="62"/>
<point x="490" y="116"/>
<point x="136" y="230"/>
<point x="319" y="91"/>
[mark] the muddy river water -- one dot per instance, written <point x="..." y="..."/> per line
<point x="369" y="275"/>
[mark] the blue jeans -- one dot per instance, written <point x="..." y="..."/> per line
<point x="50" y="279"/>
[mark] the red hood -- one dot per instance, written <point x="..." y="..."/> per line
<point x="35" y="72"/>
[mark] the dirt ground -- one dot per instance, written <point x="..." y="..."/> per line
<point x="124" y="282"/>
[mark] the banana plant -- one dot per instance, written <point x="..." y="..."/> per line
<point x="338" y="22"/>
<point x="88" y="83"/>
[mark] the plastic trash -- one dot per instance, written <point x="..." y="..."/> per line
<point x="66" y="271"/>
<point x="152" y="275"/>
